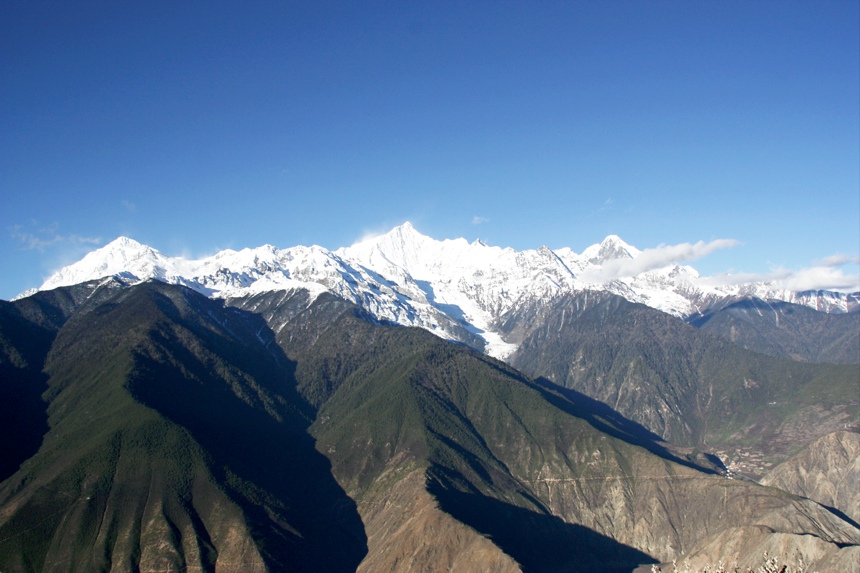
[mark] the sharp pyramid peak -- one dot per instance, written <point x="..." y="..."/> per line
<point x="612" y="247"/>
<point x="615" y="240"/>
<point x="401" y="234"/>
<point x="406" y="229"/>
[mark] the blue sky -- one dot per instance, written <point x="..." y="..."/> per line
<point x="197" y="126"/>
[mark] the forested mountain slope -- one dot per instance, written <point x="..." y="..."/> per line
<point x="186" y="433"/>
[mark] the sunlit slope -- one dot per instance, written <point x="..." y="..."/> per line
<point x="686" y="385"/>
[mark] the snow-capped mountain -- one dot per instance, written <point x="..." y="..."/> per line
<point x="455" y="288"/>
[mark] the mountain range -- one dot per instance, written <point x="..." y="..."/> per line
<point x="274" y="410"/>
<point x="456" y="289"/>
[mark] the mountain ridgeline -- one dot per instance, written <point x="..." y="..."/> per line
<point x="687" y="385"/>
<point x="784" y="329"/>
<point x="276" y="410"/>
<point x="460" y="290"/>
<point x="159" y="429"/>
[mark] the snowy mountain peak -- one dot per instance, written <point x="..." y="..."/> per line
<point x="402" y="247"/>
<point x="123" y="243"/>
<point x="404" y="233"/>
<point x="456" y="289"/>
<point x="122" y="248"/>
<point x="611" y="248"/>
<point x="405" y="227"/>
<point x="122" y="256"/>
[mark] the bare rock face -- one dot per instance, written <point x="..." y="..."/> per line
<point x="847" y="559"/>
<point x="827" y="471"/>
<point x="406" y="531"/>
<point x="748" y="547"/>
<point x="668" y="511"/>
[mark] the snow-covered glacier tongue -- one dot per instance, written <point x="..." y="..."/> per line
<point x="457" y="289"/>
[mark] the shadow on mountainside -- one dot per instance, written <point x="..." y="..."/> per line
<point x="23" y="413"/>
<point x="23" y="416"/>
<point x="300" y="517"/>
<point x="539" y="542"/>
<point x="603" y="418"/>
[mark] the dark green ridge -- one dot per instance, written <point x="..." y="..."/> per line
<point x="162" y="407"/>
<point x="27" y="330"/>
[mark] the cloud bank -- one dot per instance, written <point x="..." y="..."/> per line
<point x="656" y="258"/>
<point x="825" y="274"/>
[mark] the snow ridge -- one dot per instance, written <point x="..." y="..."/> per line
<point x="456" y="289"/>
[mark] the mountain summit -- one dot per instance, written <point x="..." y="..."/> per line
<point x="612" y="247"/>
<point x="122" y="256"/>
<point x="456" y="289"/>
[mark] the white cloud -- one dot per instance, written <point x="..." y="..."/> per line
<point x="477" y="220"/>
<point x="129" y="206"/>
<point x="820" y="278"/>
<point x="837" y="261"/>
<point x="656" y="258"/>
<point x="41" y="239"/>
<point x="825" y="274"/>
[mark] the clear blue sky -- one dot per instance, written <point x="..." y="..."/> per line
<point x="200" y="125"/>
